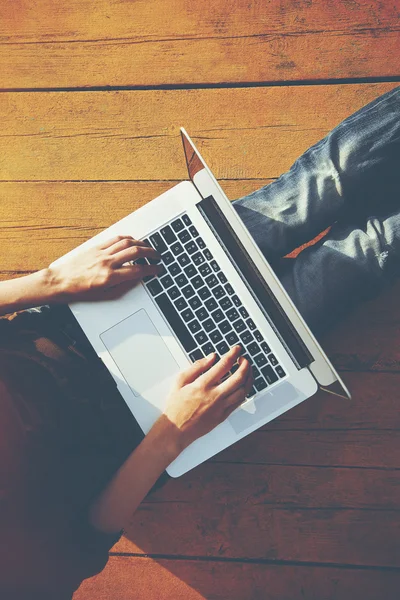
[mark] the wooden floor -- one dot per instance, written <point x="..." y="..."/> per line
<point x="93" y="94"/>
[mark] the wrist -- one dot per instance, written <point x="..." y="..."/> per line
<point x="52" y="289"/>
<point x="168" y="437"/>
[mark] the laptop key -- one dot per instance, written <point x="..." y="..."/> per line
<point x="222" y="277"/>
<point x="184" y="236"/>
<point x="198" y="258"/>
<point x="232" y="314"/>
<point x="201" y="338"/>
<point x="242" y="311"/>
<point x="208" y="348"/>
<point x="174" y="320"/>
<point x="225" y="303"/>
<point x="255" y="371"/>
<point x="191" y="247"/>
<point x="193" y="231"/>
<point x="183" y="260"/>
<point x="215" y="266"/>
<point x="250" y="324"/>
<point x="173" y="292"/>
<point x="174" y="269"/>
<point x="205" y="269"/>
<point x="258" y="336"/>
<point x="187" y="315"/>
<point x="197" y="282"/>
<point x="158" y="243"/>
<point x="229" y="289"/>
<point x="177" y="225"/>
<point x="217" y="315"/>
<point x="188" y="291"/>
<point x="211" y="304"/>
<point x="204" y="293"/>
<point x="272" y="359"/>
<point x="232" y="338"/>
<point x="177" y="248"/>
<point x="239" y="326"/>
<point x="195" y="302"/>
<point x="253" y="348"/>
<point x="280" y="371"/>
<point x="225" y="326"/>
<point x="236" y="302"/>
<point x="190" y="270"/>
<point x="194" y="326"/>
<point x="154" y="287"/>
<point x="186" y="219"/>
<point x="211" y="281"/>
<point x="269" y="374"/>
<point x="222" y="348"/>
<point x="209" y="325"/>
<point x="246" y="337"/>
<point x="215" y="336"/>
<point x="265" y="347"/>
<point x="201" y="243"/>
<point x="219" y="292"/>
<point x="181" y="303"/>
<point x="167" y="281"/>
<point x="208" y="254"/>
<point x="260" y="360"/>
<point x="181" y="280"/>
<point x="167" y="258"/>
<point x="201" y="313"/>
<point x="196" y="355"/>
<point x="168" y="234"/>
<point x="260" y="384"/>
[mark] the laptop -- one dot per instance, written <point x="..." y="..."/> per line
<point x="217" y="290"/>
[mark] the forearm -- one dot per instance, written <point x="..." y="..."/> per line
<point x="113" y="509"/>
<point x="24" y="292"/>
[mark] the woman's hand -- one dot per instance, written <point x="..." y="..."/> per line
<point x="102" y="272"/>
<point x="200" y="401"/>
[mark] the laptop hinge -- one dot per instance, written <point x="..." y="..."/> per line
<point x="255" y="282"/>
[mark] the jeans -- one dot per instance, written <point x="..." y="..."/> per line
<point x="349" y="181"/>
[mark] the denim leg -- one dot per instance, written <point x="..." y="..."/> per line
<point x="350" y="179"/>
<point x="353" y="170"/>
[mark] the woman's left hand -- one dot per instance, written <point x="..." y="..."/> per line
<point x="102" y="272"/>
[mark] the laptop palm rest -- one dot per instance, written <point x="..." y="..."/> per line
<point x="140" y="354"/>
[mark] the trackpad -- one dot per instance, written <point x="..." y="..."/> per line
<point x="140" y="353"/>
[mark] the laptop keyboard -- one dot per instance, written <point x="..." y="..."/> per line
<point x="201" y="306"/>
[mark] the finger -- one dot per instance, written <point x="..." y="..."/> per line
<point x="239" y="396"/>
<point x="196" y="369"/>
<point x="114" y="240"/>
<point x="222" y="367"/>
<point x="133" y="253"/>
<point x="236" y="380"/>
<point x="134" y="272"/>
<point x="125" y="244"/>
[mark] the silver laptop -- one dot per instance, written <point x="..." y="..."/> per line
<point x="217" y="290"/>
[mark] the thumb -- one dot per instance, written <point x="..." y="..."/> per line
<point x="196" y="369"/>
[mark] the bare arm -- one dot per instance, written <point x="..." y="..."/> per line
<point x="97" y="273"/>
<point x="198" y="402"/>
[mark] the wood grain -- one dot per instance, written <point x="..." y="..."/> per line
<point x="138" y="43"/>
<point x="126" y="578"/>
<point x="241" y="486"/>
<point x="367" y="538"/>
<point x="252" y="133"/>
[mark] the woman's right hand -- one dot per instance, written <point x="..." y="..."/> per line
<point x="199" y="400"/>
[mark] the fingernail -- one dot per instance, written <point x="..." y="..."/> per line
<point x="210" y="355"/>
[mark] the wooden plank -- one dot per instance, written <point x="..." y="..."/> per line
<point x="140" y="578"/>
<point x="252" y="133"/>
<point x="47" y="45"/>
<point x="365" y="538"/>
<point x="241" y="487"/>
<point x="352" y="448"/>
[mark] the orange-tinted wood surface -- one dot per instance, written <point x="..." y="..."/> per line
<point x="143" y="579"/>
<point x="48" y="44"/>
<point x="307" y="508"/>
